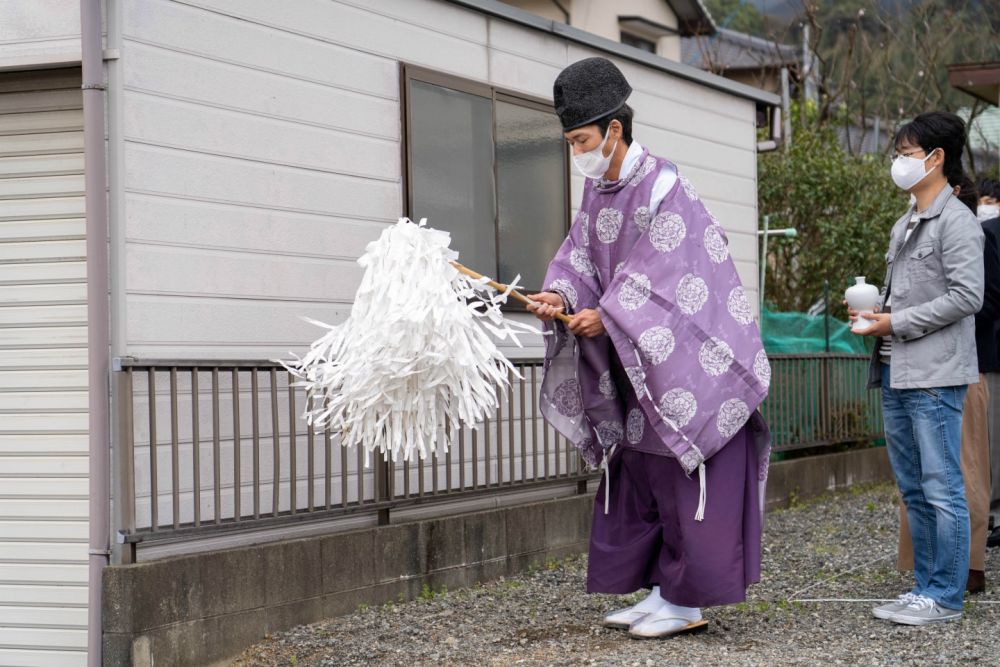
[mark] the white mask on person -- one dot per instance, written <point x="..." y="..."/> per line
<point x="907" y="171"/>
<point x="987" y="212"/>
<point x="593" y="164"/>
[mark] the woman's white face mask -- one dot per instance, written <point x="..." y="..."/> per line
<point x="593" y="164"/>
<point x="987" y="212"/>
<point x="907" y="171"/>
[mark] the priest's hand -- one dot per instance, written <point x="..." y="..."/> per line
<point x="546" y="305"/>
<point x="587" y="323"/>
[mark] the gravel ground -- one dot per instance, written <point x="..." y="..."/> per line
<point x="839" y="549"/>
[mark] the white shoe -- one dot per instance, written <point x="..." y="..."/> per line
<point x="624" y="618"/>
<point x="665" y="623"/>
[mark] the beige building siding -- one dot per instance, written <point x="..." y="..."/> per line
<point x="262" y="152"/>
<point x="39" y="33"/>
<point x="600" y="17"/>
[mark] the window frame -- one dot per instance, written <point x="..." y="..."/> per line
<point x="409" y="73"/>
<point x="635" y="41"/>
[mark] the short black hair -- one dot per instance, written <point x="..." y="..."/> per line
<point x="940" y="129"/>
<point x="989" y="187"/>
<point x="623" y="116"/>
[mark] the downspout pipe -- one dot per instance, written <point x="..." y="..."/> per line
<point x="98" y="317"/>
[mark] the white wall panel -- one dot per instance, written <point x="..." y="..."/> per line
<point x="422" y="32"/>
<point x="164" y="122"/>
<point x="38" y="32"/>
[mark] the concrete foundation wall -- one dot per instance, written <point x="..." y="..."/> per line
<point x="204" y="608"/>
<point x="813" y="476"/>
<point x="199" y="609"/>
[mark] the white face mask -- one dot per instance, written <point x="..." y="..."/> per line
<point x="908" y="171"/>
<point x="593" y="164"/>
<point x="988" y="212"/>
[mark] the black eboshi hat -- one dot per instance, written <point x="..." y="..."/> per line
<point x="589" y="90"/>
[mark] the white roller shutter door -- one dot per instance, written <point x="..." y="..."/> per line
<point x="43" y="371"/>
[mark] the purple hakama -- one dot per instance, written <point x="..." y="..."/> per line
<point x="648" y="537"/>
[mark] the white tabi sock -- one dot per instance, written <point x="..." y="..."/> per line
<point x="691" y="614"/>
<point x="652" y="602"/>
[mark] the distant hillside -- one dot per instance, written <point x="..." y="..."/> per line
<point x="783" y="12"/>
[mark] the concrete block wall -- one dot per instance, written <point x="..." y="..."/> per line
<point x="200" y="609"/>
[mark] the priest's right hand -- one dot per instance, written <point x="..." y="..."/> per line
<point x="546" y="305"/>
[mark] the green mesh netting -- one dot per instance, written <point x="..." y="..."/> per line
<point x="817" y="400"/>
<point x="799" y="333"/>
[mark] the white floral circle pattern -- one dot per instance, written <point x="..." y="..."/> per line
<point x="656" y="344"/>
<point x="609" y="223"/>
<point x="634" y="292"/>
<point x="565" y="288"/>
<point x="689" y="189"/>
<point x="638" y="379"/>
<point x="739" y="306"/>
<point x="635" y="425"/>
<point x="579" y="258"/>
<point x="609" y="433"/>
<point x="715" y="356"/>
<point x="716" y="246"/>
<point x="691" y="459"/>
<point x="618" y="268"/>
<point x="692" y="293"/>
<point x="667" y="231"/>
<point x="679" y="406"/>
<point x="641" y="217"/>
<point x="762" y="368"/>
<point x="607" y="386"/>
<point x="566" y="398"/>
<point x="732" y="415"/>
<point x="584" y="227"/>
<point x="648" y="165"/>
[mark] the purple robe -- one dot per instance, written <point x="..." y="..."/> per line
<point x="677" y="317"/>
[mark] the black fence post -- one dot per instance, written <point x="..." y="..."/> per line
<point x="383" y="493"/>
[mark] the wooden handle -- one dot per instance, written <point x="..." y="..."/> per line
<point x="562" y="317"/>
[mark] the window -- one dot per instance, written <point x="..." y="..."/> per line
<point x="638" y="42"/>
<point x="490" y="168"/>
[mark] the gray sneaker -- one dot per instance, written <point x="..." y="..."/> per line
<point x="887" y="611"/>
<point x="923" y="611"/>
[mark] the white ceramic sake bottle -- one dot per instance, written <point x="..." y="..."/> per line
<point x="862" y="297"/>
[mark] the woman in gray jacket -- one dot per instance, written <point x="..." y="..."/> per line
<point x="925" y="358"/>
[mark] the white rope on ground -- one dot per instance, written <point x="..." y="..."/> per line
<point x="799" y="592"/>
<point x="870" y="600"/>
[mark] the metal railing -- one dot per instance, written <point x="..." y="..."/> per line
<point x="208" y="446"/>
<point x="821" y="399"/>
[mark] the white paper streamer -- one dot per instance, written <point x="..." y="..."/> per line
<point x="416" y="353"/>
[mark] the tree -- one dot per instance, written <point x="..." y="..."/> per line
<point x="842" y="205"/>
<point x="888" y="60"/>
<point x="738" y="15"/>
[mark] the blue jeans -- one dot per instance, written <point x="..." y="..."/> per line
<point x="923" y="430"/>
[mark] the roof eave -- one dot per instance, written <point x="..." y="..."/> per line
<point x="693" y="18"/>
<point x="980" y="80"/>
<point x="529" y="20"/>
